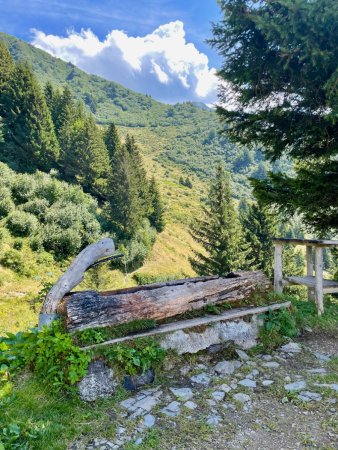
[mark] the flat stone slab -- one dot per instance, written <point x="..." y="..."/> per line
<point x="143" y="402"/>
<point x="243" y="398"/>
<point x="214" y="420"/>
<point x="248" y="383"/>
<point x="190" y="405"/>
<point x="322" y="357"/>
<point x="224" y="387"/>
<point x="183" y="394"/>
<point x="172" y="410"/>
<point x="267" y="382"/>
<point x="149" y="420"/>
<point x="320" y="371"/>
<point x="201" y="378"/>
<point x="332" y="386"/>
<point x="218" y="395"/>
<point x="296" y="386"/>
<point x="244" y="356"/>
<point x="307" y="396"/>
<point x="227" y="367"/>
<point x="271" y="365"/>
<point x="292" y="347"/>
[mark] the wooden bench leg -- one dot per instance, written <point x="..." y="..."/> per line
<point x="319" y="280"/>
<point x="278" y="271"/>
<point x="309" y="272"/>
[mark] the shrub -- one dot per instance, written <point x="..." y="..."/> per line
<point x="6" y="207"/>
<point x="62" y="242"/>
<point x="23" y="188"/>
<point x="18" y="244"/>
<point x="38" y="207"/>
<point x="21" y="223"/>
<point x="14" y="260"/>
<point x="49" y="353"/>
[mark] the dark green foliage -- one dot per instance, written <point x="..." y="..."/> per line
<point x="6" y="207"/>
<point x="156" y="217"/>
<point x="21" y="223"/>
<point x="219" y="231"/>
<point x="49" y="353"/>
<point x="278" y="325"/>
<point x="30" y="140"/>
<point x="259" y="227"/>
<point x="283" y="73"/>
<point x="112" y="140"/>
<point x="13" y="259"/>
<point x="137" y="357"/>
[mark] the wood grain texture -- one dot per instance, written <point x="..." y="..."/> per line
<point x="89" y="309"/>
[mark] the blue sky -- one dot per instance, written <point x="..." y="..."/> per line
<point x="55" y="20"/>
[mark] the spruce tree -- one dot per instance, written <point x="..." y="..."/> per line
<point x="259" y="228"/>
<point x="280" y="69"/>
<point x="125" y="206"/>
<point x="218" y="231"/>
<point x="156" y="217"/>
<point x="30" y="140"/>
<point x="7" y="68"/>
<point x="112" y="140"/>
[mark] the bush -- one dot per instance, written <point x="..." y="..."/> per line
<point x="62" y="242"/>
<point x="21" y="223"/>
<point x="6" y="207"/>
<point x="14" y="260"/>
<point x="38" y="207"/>
<point x="49" y="353"/>
<point x="23" y="188"/>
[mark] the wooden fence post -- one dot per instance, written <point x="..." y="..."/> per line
<point x="319" y="280"/>
<point x="278" y="271"/>
<point x="309" y="272"/>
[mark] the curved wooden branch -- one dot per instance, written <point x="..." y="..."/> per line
<point x="73" y="276"/>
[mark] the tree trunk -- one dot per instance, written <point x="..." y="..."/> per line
<point x="89" y="309"/>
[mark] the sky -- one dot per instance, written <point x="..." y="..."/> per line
<point x="156" y="47"/>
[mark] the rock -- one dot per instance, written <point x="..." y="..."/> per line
<point x="242" y="355"/>
<point x="213" y="420"/>
<point x="229" y="406"/>
<point x="143" y="402"/>
<point x="332" y="386"/>
<point x="307" y="396"/>
<point x="101" y="444"/>
<point x="296" y="386"/>
<point x="226" y="367"/>
<point x="287" y="379"/>
<point x="267" y="382"/>
<point x="182" y="393"/>
<point x="319" y="371"/>
<point x="149" y="420"/>
<point x="132" y="383"/>
<point x="218" y="395"/>
<point x="172" y="410"/>
<point x="190" y="405"/>
<point x="99" y="382"/>
<point x="224" y="387"/>
<point x="271" y="365"/>
<point x="233" y="385"/>
<point x="292" y="347"/>
<point x="215" y="348"/>
<point x="241" y="333"/>
<point x="201" y="378"/>
<point x="138" y="441"/>
<point x="253" y="374"/>
<point x="322" y="357"/>
<point x="185" y="369"/>
<point x="267" y="357"/>
<point x="243" y="398"/>
<point x="247" y="383"/>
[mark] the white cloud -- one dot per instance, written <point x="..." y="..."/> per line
<point x="161" y="63"/>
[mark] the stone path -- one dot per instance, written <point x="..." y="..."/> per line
<point x="286" y="400"/>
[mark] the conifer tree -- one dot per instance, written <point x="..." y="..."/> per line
<point x="156" y="217"/>
<point x="112" y="140"/>
<point x="219" y="231"/>
<point x="30" y="140"/>
<point x="7" y="68"/>
<point x="259" y="228"/>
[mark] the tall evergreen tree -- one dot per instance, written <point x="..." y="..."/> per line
<point x="259" y="228"/>
<point x="125" y="206"/>
<point x="112" y="140"/>
<point x="219" y="231"/>
<point x="280" y="66"/>
<point x="30" y="140"/>
<point x="156" y="217"/>
<point x="7" y="68"/>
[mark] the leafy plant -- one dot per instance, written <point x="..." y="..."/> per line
<point x="50" y="353"/>
<point x="136" y="359"/>
<point x="277" y="325"/>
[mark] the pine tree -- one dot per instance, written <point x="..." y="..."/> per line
<point x="125" y="207"/>
<point x="30" y="140"/>
<point x="259" y="228"/>
<point x="140" y="175"/>
<point x="219" y="231"/>
<point x="112" y="140"/>
<point x="7" y="68"/>
<point x="156" y="217"/>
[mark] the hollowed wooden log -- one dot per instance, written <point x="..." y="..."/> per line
<point x="89" y="309"/>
